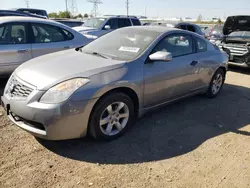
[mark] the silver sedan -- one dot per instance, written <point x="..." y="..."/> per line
<point x="24" y="38"/>
<point x="103" y="87"/>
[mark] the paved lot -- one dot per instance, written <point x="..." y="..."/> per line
<point x="198" y="142"/>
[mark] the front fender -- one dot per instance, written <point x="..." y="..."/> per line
<point x="104" y="82"/>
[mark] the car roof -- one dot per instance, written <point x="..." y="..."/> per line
<point x="187" y="23"/>
<point x="158" y="29"/>
<point x="117" y="16"/>
<point x="27" y="9"/>
<point x="5" y="19"/>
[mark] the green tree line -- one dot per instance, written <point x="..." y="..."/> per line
<point x="66" y="14"/>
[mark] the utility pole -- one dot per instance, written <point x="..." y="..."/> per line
<point x="74" y="9"/>
<point x="27" y="3"/>
<point x="66" y="3"/>
<point x="95" y="6"/>
<point x="127" y="7"/>
<point x="145" y="11"/>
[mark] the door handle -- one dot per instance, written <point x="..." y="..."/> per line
<point x="194" y="63"/>
<point x="22" y="51"/>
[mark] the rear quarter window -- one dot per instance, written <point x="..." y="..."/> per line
<point x="201" y="45"/>
<point x="136" y="22"/>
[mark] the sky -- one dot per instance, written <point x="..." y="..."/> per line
<point x="150" y="8"/>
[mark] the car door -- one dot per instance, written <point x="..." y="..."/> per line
<point x="49" y="38"/>
<point x="165" y="81"/>
<point x="15" y="47"/>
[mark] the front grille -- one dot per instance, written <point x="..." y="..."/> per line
<point x="236" y="50"/>
<point x="18" y="89"/>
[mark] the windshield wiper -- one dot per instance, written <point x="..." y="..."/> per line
<point x="99" y="54"/>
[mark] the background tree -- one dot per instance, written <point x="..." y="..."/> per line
<point x="53" y="15"/>
<point x="219" y="21"/>
<point x="64" y="14"/>
<point x="86" y="15"/>
<point x="199" y="19"/>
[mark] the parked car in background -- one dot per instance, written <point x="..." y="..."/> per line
<point x="236" y="40"/>
<point x="16" y="13"/>
<point x="103" y="87"/>
<point x="24" y="38"/>
<point x="216" y="34"/>
<point x="190" y="27"/>
<point x="98" y="26"/>
<point x="70" y="22"/>
<point x="39" y="12"/>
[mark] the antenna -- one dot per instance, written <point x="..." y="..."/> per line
<point x="27" y="2"/>
<point x="95" y="6"/>
<point x="127" y="6"/>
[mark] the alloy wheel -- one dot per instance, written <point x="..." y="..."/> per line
<point x="114" y="118"/>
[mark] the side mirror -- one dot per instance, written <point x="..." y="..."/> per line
<point x="161" y="56"/>
<point x="107" y="27"/>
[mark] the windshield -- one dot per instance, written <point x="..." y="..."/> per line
<point x="129" y="43"/>
<point x="218" y="28"/>
<point x="94" y="22"/>
<point x="244" y="34"/>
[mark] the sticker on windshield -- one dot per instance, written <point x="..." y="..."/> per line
<point x="129" y="49"/>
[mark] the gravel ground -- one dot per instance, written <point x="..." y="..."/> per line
<point x="197" y="142"/>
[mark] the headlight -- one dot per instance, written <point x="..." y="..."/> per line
<point x="63" y="91"/>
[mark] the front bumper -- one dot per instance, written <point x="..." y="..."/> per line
<point x="68" y="120"/>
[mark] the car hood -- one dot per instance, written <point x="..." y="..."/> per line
<point x="46" y="71"/>
<point x="236" y="23"/>
<point x="82" y="28"/>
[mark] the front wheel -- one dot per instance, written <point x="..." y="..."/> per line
<point x="111" y="117"/>
<point x="216" y="84"/>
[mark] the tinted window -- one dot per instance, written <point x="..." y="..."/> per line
<point x="190" y="28"/>
<point x="112" y="23"/>
<point x="69" y="35"/>
<point x="182" y="27"/>
<point x="44" y="33"/>
<point x="13" y="34"/>
<point x="201" y="45"/>
<point x="136" y="22"/>
<point x="177" y="44"/>
<point x="123" y="22"/>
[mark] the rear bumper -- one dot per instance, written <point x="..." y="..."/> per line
<point x="68" y="120"/>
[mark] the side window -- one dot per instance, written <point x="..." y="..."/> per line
<point x="69" y="35"/>
<point x="112" y="23"/>
<point x="201" y="45"/>
<point x="123" y="22"/>
<point x="191" y="28"/>
<point x="13" y="34"/>
<point x="136" y="22"/>
<point x="182" y="27"/>
<point x="44" y="33"/>
<point x="177" y="44"/>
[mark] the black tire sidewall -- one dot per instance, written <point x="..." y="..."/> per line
<point x="209" y="93"/>
<point x="94" y="125"/>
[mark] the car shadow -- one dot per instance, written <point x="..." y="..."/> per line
<point x="240" y="70"/>
<point x="3" y="82"/>
<point x="172" y="131"/>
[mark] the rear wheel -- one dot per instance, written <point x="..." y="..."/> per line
<point x="216" y="84"/>
<point x="111" y="117"/>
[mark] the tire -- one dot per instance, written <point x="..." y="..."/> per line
<point x="211" y="92"/>
<point x="100" y="131"/>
